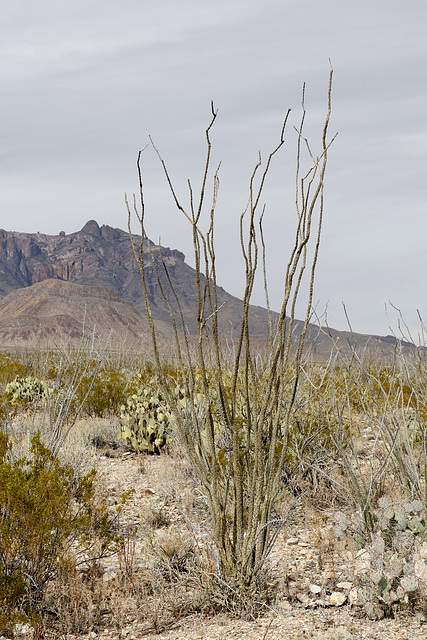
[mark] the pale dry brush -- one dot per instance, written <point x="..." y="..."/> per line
<point x="236" y="421"/>
<point x="375" y="411"/>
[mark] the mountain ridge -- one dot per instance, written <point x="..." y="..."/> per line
<point x="102" y="257"/>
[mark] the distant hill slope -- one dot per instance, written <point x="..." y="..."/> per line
<point x="56" y="313"/>
<point x="103" y="256"/>
<point x="50" y="285"/>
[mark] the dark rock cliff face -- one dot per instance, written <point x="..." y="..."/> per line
<point x="103" y="257"/>
<point x="93" y="256"/>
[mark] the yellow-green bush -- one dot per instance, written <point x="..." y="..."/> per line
<point x="100" y="387"/>
<point x="10" y="368"/>
<point x="105" y="392"/>
<point x="44" y="511"/>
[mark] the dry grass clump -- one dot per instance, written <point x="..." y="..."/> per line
<point x="155" y="517"/>
<point x="154" y="596"/>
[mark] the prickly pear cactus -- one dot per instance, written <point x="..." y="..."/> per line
<point x="144" y="421"/>
<point x="389" y="578"/>
<point x="25" y="390"/>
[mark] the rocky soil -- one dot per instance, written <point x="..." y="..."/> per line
<point x="308" y="565"/>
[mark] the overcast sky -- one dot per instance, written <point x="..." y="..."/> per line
<point x="83" y="84"/>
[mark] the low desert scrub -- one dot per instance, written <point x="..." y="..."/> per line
<point x="49" y="520"/>
<point x="79" y="448"/>
<point x="76" y="601"/>
<point x="11" y="368"/>
<point x="155" y="518"/>
<point x="175" y="481"/>
<point x="355" y="442"/>
<point x="171" y="584"/>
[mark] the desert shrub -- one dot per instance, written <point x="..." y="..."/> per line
<point x="45" y="511"/>
<point x="174" y="551"/>
<point x="99" y="386"/>
<point x="387" y="573"/>
<point x="4" y="413"/>
<point x="155" y="518"/>
<point x="144" y="419"/>
<point x="10" y="368"/>
<point x="103" y="394"/>
<point x="78" y="601"/>
<point x="73" y="377"/>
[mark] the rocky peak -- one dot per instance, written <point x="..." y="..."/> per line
<point x="92" y="227"/>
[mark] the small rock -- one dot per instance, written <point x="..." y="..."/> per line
<point x="420" y="617"/>
<point x="292" y="541"/>
<point x="321" y="603"/>
<point x="22" y="631"/>
<point x="420" y="569"/>
<point x="353" y="596"/>
<point x="303" y="544"/>
<point x="363" y="561"/>
<point x="345" y="586"/>
<point x="302" y="597"/>
<point x="314" y="588"/>
<point x="337" y="598"/>
<point x="109" y="574"/>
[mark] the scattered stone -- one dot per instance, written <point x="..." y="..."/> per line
<point x="302" y="597"/>
<point x="315" y="589"/>
<point x="109" y="575"/>
<point x="420" y="569"/>
<point x="337" y="598"/>
<point x="345" y="586"/>
<point x="292" y="541"/>
<point x="353" y="596"/>
<point x="363" y="561"/>
<point x="22" y="631"/>
<point x="321" y="603"/>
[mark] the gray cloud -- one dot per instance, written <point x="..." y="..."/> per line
<point x="84" y="83"/>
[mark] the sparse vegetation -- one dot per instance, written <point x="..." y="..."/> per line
<point x="250" y="442"/>
<point x="340" y="458"/>
<point x="44" y="513"/>
<point x="11" y="368"/>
